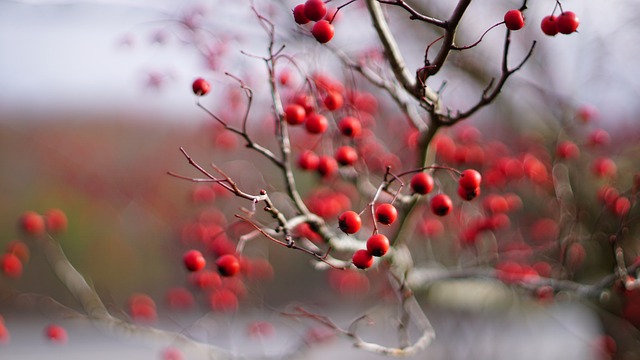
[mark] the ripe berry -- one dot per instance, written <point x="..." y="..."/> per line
<point x="228" y="265"/>
<point x="441" y="204"/>
<point x="308" y="160"/>
<point x="378" y="245"/>
<point x="468" y="194"/>
<point x="514" y="20"/>
<point x="193" y="260"/>
<point x="346" y="155"/>
<point x="19" y="249"/>
<point x="323" y="31"/>
<point x="56" y="220"/>
<point x="549" y="25"/>
<point x="349" y="222"/>
<point x="470" y="179"/>
<point x="604" y="167"/>
<point x="422" y="183"/>
<point x="362" y="259"/>
<point x="294" y="114"/>
<point x="333" y="101"/>
<point x="56" y="334"/>
<point x="11" y="265"/>
<point x="567" y="150"/>
<point x="327" y="166"/>
<point x="568" y="22"/>
<point x="200" y="86"/>
<point x="32" y="223"/>
<point x="386" y="214"/>
<point x="316" y="123"/>
<point x="315" y="10"/>
<point x="350" y="126"/>
<point x="299" y="16"/>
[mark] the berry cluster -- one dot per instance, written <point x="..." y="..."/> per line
<point x="315" y="10"/>
<point x="422" y="183"/>
<point x="565" y="23"/>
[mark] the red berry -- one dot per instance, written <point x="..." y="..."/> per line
<point x="323" y="31"/>
<point x="549" y="25"/>
<point x="228" y="265"/>
<point x="5" y="336"/>
<point x="568" y="22"/>
<point x="468" y="194"/>
<point x="315" y="10"/>
<point x="349" y="222"/>
<point x="386" y="214"/>
<point x="194" y="260"/>
<point x="223" y="300"/>
<point x="333" y="100"/>
<point x="56" y="220"/>
<point x="11" y="265"/>
<point x="604" y="167"/>
<point x="308" y="160"/>
<point x="32" y="223"/>
<point x="346" y="155"/>
<point x="441" y="204"/>
<point x="327" y="166"/>
<point x="470" y="179"/>
<point x="19" y="249"/>
<point x="316" y="123"/>
<point x="378" y="245"/>
<point x="294" y="114"/>
<point x="567" y="150"/>
<point x="350" y="126"/>
<point x="200" y="86"/>
<point x="362" y="259"/>
<point x="422" y="183"/>
<point x="142" y="308"/>
<point x="299" y="16"/>
<point x="56" y="334"/>
<point x="514" y="20"/>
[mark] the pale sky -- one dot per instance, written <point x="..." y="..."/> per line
<point x="69" y="54"/>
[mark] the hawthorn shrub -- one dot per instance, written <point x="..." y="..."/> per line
<point x="377" y="175"/>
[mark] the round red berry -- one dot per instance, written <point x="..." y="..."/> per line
<point x="470" y="179"/>
<point x="378" y="245"/>
<point x="350" y="126"/>
<point x="194" y="260"/>
<point x="316" y="123"/>
<point x="228" y="265"/>
<point x="349" y="222"/>
<point x="299" y="16"/>
<point x="333" y="100"/>
<point x="323" y="31"/>
<point x="32" y="223"/>
<point x="56" y="220"/>
<point x="468" y="194"/>
<point x="567" y="150"/>
<point x="514" y="20"/>
<point x="441" y="204"/>
<point x="327" y="166"/>
<point x="568" y="22"/>
<point x="200" y="86"/>
<point x="294" y="114"/>
<point x="422" y="183"/>
<point x="386" y="214"/>
<point x="315" y="10"/>
<point x="362" y="259"/>
<point x="549" y="25"/>
<point x="56" y="334"/>
<point x="11" y="265"/>
<point x="308" y="160"/>
<point x="346" y="155"/>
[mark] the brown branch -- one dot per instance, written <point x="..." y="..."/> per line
<point x="415" y="15"/>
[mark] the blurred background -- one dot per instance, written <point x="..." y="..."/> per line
<point x="95" y="101"/>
